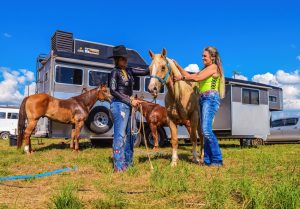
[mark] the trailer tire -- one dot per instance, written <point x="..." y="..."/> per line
<point x="99" y="120"/>
<point x="162" y="138"/>
<point x="4" y="135"/>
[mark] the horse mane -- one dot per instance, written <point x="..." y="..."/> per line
<point x="83" y="97"/>
<point x="177" y="85"/>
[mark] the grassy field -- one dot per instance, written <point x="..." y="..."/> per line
<point x="263" y="177"/>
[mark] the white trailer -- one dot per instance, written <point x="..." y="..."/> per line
<point x="8" y="121"/>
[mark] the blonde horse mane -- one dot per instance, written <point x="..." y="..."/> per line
<point x="179" y="86"/>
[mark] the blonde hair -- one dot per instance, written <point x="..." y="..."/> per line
<point x="215" y="57"/>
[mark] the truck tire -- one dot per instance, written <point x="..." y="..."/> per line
<point x="162" y="138"/>
<point x="4" y="135"/>
<point x="99" y="120"/>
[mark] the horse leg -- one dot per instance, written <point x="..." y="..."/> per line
<point x="78" y="127"/>
<point x="174" y="141"/>
<point x="28" y="131"/>
<point x="194" y="126"/>
<point x="72" y="137"/>
<point x="155" y="135"/>
<point x="201" y="143"/>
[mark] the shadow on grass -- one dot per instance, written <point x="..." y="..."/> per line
<point x="187" y="157"/>
<point x="63" y="145"/>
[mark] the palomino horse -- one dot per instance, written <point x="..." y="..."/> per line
<point x="181" y="101"/>
<point x="73" y="111"/>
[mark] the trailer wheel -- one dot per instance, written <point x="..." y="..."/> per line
<point x="161" y="137"/>
<point x="100" y="120"/>
<point x="4" y="135"/>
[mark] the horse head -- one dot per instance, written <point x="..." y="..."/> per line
<point x="103" y="93"/>
<point x="160" y="70"/>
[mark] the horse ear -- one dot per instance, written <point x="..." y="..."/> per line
<point x="164" y="53"/>
<point x="151" y="54"/>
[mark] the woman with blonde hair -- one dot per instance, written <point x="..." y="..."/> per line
<point x="212" y="88"/>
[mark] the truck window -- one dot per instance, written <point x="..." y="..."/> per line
<point x="68" y="75"/>
<point x="250" y="96"/>
<point x="290" y="121"/>
<point x="97" y="77"/>
<point x="277" y="123"/>
<point x="12" y="115"/>
<point x="2" y="115"/>
<point x="147" y="81"/>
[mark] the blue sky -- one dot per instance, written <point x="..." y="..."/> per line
<point x="253" y="37"/>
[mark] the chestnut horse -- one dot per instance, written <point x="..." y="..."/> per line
<point x="181" y="101"/>
<point x="156" y="116"/>
<point x="73" y="111"/>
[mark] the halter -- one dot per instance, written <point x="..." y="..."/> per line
<point x="164" y="80"/>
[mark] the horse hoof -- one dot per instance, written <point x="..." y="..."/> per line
<point x="173" y="164"/>
<point x="196" y="160"/>
<point x="155" y="149"/>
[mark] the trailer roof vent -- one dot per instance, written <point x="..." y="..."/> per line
<point x="62" y="41"/>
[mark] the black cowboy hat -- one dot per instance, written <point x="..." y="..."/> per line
<point x="119" y="51"/>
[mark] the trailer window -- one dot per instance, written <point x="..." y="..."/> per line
<point x="147" y="81"/>
<point x="272" y="99"/>
<point x="69" y="75"/>
<point x="96" y="78"/>
<point x="2" y="115"/>
<point x="137" y="84"/>
<point x="250" y="96"/>
<point x="12" y="115"/>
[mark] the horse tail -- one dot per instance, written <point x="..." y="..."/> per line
<point x="21" y="123"/>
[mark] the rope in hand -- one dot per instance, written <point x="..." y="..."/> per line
<point x="141" y="127"/>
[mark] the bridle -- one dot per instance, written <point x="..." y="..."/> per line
<point x="163" y="80"/>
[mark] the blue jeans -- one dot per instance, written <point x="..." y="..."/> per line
<point x="209" y="105"/>
<point x="123" y="142"/>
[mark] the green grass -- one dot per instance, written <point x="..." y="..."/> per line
<point x="263" y="177"/>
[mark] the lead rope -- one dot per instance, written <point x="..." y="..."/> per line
<point x="141" y="126"/>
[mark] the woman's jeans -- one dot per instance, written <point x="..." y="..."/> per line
<point x="123" y="142"/>
<point x="209" y="104"/>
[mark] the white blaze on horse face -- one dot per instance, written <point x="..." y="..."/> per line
<point x="153" y="80"/>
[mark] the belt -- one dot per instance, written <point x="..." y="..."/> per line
<point x="208" y="92"/>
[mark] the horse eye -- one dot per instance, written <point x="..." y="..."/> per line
<point x="163" y="67"/>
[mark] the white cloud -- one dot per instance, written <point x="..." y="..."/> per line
<point x="13" y="81"/>
<point x="7" y="35"/>
<point x="298" y="57"/>
<point x="267" y="78"/>
<point x="192" y="68"/>
<point x="290" y="84"/>
<point x="240" y="77"/>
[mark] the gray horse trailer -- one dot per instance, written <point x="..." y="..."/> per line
<point x="74" y="65"/>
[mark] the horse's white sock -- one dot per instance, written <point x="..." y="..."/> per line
<point x="26" y="148"/>
<point x="174" y="156"/>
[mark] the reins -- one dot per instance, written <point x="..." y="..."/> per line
<point x="141" y="127"/>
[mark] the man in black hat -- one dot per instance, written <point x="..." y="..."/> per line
<point x="121" y="88"/>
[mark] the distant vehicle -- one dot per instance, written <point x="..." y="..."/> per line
<point x="285" y="130"/>
<point x="8" y="121"/>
